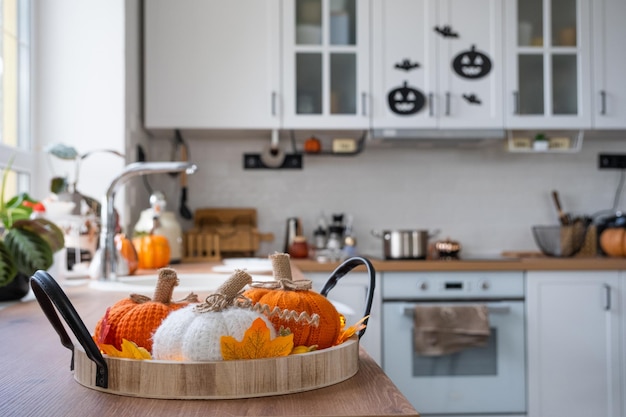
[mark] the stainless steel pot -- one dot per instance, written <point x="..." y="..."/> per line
<point x="404" y="244"/>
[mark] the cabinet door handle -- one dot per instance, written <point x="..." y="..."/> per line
<point x="607" y="295"/>
<point x="515" y="102"/>
<point x="431" y="109"/>
<point x="602" y="102"/>
<point x="274" y="103"/>
<point x="447" y="103"/>
<point x="364" y="104"/>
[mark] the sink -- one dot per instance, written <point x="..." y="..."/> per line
<point x="145" y="284"/>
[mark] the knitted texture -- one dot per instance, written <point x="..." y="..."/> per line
<point x="324" y="335"/>
<point x="137" y="317"/>
<point x="192" y="335"/>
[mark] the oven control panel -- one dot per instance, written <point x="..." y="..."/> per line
<point x="451" y="285"/>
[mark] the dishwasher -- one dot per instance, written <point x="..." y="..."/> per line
<point x="480" y="380"/>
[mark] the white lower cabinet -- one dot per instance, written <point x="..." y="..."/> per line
<point x="574" y="330"/>
<point x="349" y="296"/>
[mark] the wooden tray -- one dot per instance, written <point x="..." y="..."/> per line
<point x="201" y="380"/>
<point x="222" y="379"/>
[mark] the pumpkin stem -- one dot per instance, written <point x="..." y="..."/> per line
<point x="226" y="294"/>
<point x="232" y="286"/>
<point x="165" y="285"/>
<point x="281" y="266"/>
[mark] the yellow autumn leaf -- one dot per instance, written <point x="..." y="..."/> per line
<point x="129" y="350"/>
<point x="350" y="331"/>
<point x="256" y="343"/>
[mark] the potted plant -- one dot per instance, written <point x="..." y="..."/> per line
<point x="26" y="244"/>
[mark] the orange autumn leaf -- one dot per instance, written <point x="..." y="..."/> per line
<point x="350" y="331"/>
<point x="129" y="350"/>
<point x="256" y="344"/>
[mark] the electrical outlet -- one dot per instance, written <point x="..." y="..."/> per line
<point x="254" y="161"/>
<point x="611" y="161"/>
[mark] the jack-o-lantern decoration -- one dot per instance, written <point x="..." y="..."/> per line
<point x="471" y="64"/>
<point x="406" y="100"/>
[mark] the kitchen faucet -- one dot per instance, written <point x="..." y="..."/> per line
<point x="106" y="257"/>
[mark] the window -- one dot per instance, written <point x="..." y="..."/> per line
<point x="15" y="103"/>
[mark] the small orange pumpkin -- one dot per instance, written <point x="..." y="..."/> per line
<point x="613" y="241"/>
<point x="126" y="248"/>
<point x="297" y="297"/>
<point x="153" y="251"/>
<point x="137" y="317"/>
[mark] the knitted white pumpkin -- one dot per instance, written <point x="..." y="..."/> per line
<point x="193" y="333"/>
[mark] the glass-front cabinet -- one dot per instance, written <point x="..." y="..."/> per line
<point x="548" y="55"/>
<point x="325" y="63"/>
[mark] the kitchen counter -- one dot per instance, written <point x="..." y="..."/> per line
<point x="535" y="263"/>
<point x="36" y="378"/>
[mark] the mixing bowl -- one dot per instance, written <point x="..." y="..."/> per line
<point x="560" y="241"/>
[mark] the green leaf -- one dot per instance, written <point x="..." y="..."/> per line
<point x="30" y="251"/>
<point x="8" y="269"/>
<point x="48" y="231"/>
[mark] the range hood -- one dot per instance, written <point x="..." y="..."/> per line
<point x="437" y="134"/>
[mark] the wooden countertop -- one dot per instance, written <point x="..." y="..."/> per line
<point x="538" y="263"/>
<point x="36" y="378"/>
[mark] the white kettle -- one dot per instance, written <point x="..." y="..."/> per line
<point x="168" y="225"/>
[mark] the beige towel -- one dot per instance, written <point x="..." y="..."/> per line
<point x="445" y="329"/>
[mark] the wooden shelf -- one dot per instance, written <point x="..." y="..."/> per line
<point x="558" y="141"/>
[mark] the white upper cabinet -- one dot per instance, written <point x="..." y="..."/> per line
<point x="325" y="72"/>
<point x="437" y="64"/>
<point x="548" y="64"/>
<point x="212" y="64"/>
<point x="609" y="60"/>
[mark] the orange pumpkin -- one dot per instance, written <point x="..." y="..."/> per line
<point x="295" y="297"/>
<point x="613" y="241"/>
<point x="126" y="248"/>
<point x="153" y="251"/>
<point x="137" y="317"/>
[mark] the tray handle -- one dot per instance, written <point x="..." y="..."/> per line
<point x="347" y="266"/>
<point x="49" y="295"/>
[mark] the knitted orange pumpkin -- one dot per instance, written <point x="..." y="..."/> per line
<point x="303" y="303"/>
<point x="135" y="318"/>
<point x="153" y="251"/>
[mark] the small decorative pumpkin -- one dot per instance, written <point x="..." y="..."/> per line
<point x="194" y="332"/>
<point x="613" y="241"/>
<point x="127" y="250"/>
<point x="405" y="100"/>
<point x="310" y="316"/>
<point x="153" y="251"/>
<point x="471" y="64"/>
<point x="135" y="318"/>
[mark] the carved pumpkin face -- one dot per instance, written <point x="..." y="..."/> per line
<point x="405" y="100"/>
<point x="471" y="64"/>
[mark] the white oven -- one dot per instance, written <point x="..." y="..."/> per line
<point x="488" y="380"/>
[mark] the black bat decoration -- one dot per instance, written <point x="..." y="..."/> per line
<point x="407" y="65"/>
<point x="446" y="32"/>
<point x="472" y="99"/>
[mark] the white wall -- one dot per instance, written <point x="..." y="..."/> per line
<point x="79" y="88"/>
<point x="486" y="198"/>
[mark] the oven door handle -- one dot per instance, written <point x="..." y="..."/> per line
<point x="493" y="308"/>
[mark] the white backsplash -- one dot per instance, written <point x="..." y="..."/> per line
<point x="485" y="198"/>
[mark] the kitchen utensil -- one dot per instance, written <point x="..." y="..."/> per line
<point x="447" y="249"/>
<point x="184" y="211"/>
<point x="293" y="229"/>
<point x="221" y="232"/>
<point x="559" y="240"/>
<point x="405" y="244"/>
<point x="232" y="379"/>
<point x="564" y="218"/>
